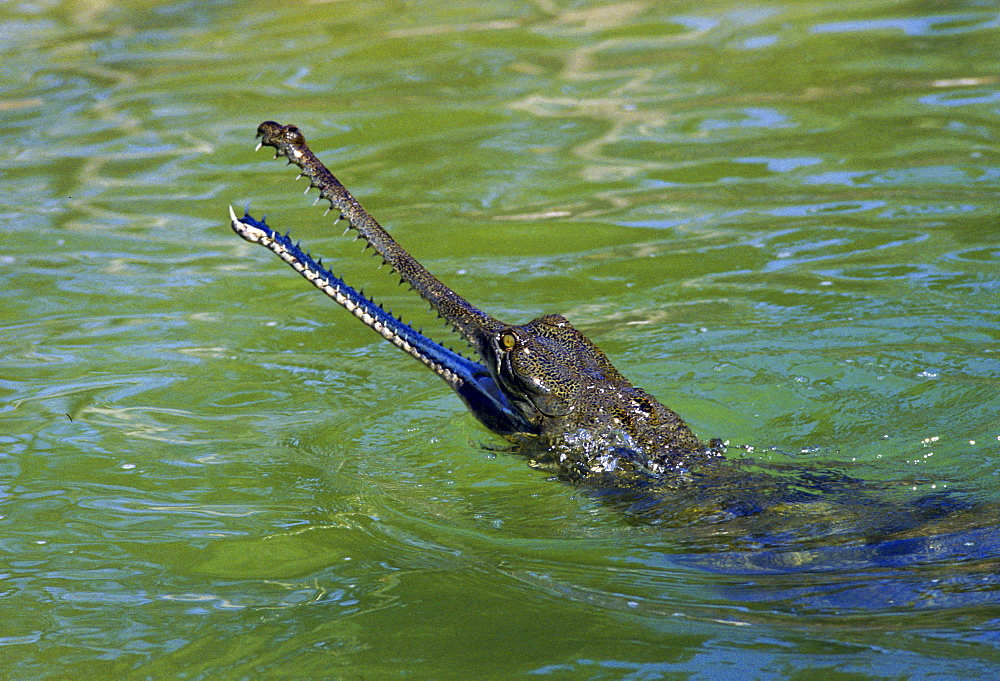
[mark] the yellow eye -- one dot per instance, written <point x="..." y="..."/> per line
<point x="507" y="340"/>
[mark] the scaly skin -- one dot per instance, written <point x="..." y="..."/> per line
<point x="542" y="384"/>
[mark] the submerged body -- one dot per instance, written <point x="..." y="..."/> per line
<point x="542" y="384"/>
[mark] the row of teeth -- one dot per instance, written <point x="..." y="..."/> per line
<point x="298" y="154"/>
<point x="257" y="235"/>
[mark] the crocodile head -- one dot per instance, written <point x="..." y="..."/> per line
<point x="542" y="384"/>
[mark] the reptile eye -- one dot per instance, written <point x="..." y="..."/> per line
<point x="294" y="135"/>
<point x="507" y="340"/>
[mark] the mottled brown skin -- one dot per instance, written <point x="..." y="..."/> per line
<point x="589" y="416"/>
<point x="572" y="408"/>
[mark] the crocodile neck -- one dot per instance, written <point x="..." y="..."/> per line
<point x="542" y="384"/>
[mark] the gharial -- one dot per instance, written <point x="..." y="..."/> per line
<point x="548" y="389"/>
<point x="542" y="384"/>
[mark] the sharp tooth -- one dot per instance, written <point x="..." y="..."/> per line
<point x="232" y="215"/>
<point x="259" y="145"/>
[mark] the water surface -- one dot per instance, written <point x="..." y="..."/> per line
<point x="781" y="219"/>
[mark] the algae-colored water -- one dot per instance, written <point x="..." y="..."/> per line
<point x="781" y="219"/>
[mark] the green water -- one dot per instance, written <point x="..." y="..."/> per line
<point x="781" y="219"/>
